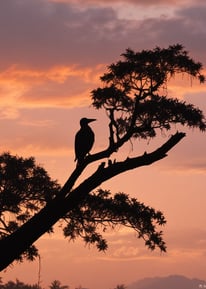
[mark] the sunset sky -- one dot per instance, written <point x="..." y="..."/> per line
<point x="52" y="55"/>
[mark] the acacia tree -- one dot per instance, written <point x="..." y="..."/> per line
<point x="135" y="98"/>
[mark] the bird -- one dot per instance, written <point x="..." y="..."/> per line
<point x="84" y="140"/>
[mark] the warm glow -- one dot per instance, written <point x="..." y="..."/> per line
<point x="52" y="55"/>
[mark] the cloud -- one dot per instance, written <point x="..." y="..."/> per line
<point x="62" y="86"/>
<point x="53" y="52"/>
<point x="188" y="157"/>
<point x="9" y="113"/>
<point x="141" y="2"/>
<point x="44" y="34"/>
<point x="180" y="245"/>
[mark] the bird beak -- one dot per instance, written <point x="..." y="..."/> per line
<point x="90" y="119"/>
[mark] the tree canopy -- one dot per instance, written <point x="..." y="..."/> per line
<point x="135" y="97"/>
<point x="24" y="188"/>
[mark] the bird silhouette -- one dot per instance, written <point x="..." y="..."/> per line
<point x="84" y="140"/>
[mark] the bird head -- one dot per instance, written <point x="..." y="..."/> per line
<point x="85" y="121"/>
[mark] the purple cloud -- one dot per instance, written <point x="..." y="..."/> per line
<point x="39" y="33"/>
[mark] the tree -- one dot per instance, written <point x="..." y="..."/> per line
<point x="19" y="285"/>
<point x="56" y="284"/>
<point x="134" y="95"/>
<point x="25" y="187"/>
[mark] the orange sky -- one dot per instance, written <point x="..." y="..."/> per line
<point x="52" y="54"/>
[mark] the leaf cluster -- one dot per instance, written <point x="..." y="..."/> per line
<point x="134" y="93"/>
<point x="25" y="188"/>
<point x="101" y="210"/>
<point x="18" y="285"/>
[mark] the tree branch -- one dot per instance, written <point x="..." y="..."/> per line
<point x="104" y="173"/>
<point x="40" y="223"/>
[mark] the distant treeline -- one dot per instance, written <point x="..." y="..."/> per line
<point x="56" y="284"/>
<point x="21" y="285"/>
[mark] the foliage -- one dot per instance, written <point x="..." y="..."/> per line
<point x="101" y="209"/>
<point x="56" y="284"/>
<point x="134" y="93"/>
<point x="17" y="285"/>
<point x="24" y="188"/>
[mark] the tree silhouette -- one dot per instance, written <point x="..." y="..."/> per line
<point x="56" y="284"/>
<point x="135" y="97"/>
<point x="25" y="187"/>
<point x="18" y="285"/>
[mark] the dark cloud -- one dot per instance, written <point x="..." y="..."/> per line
<point x="39" y="33"/>
<point x="42" y="34"/>
<point x="137" y="3"/>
